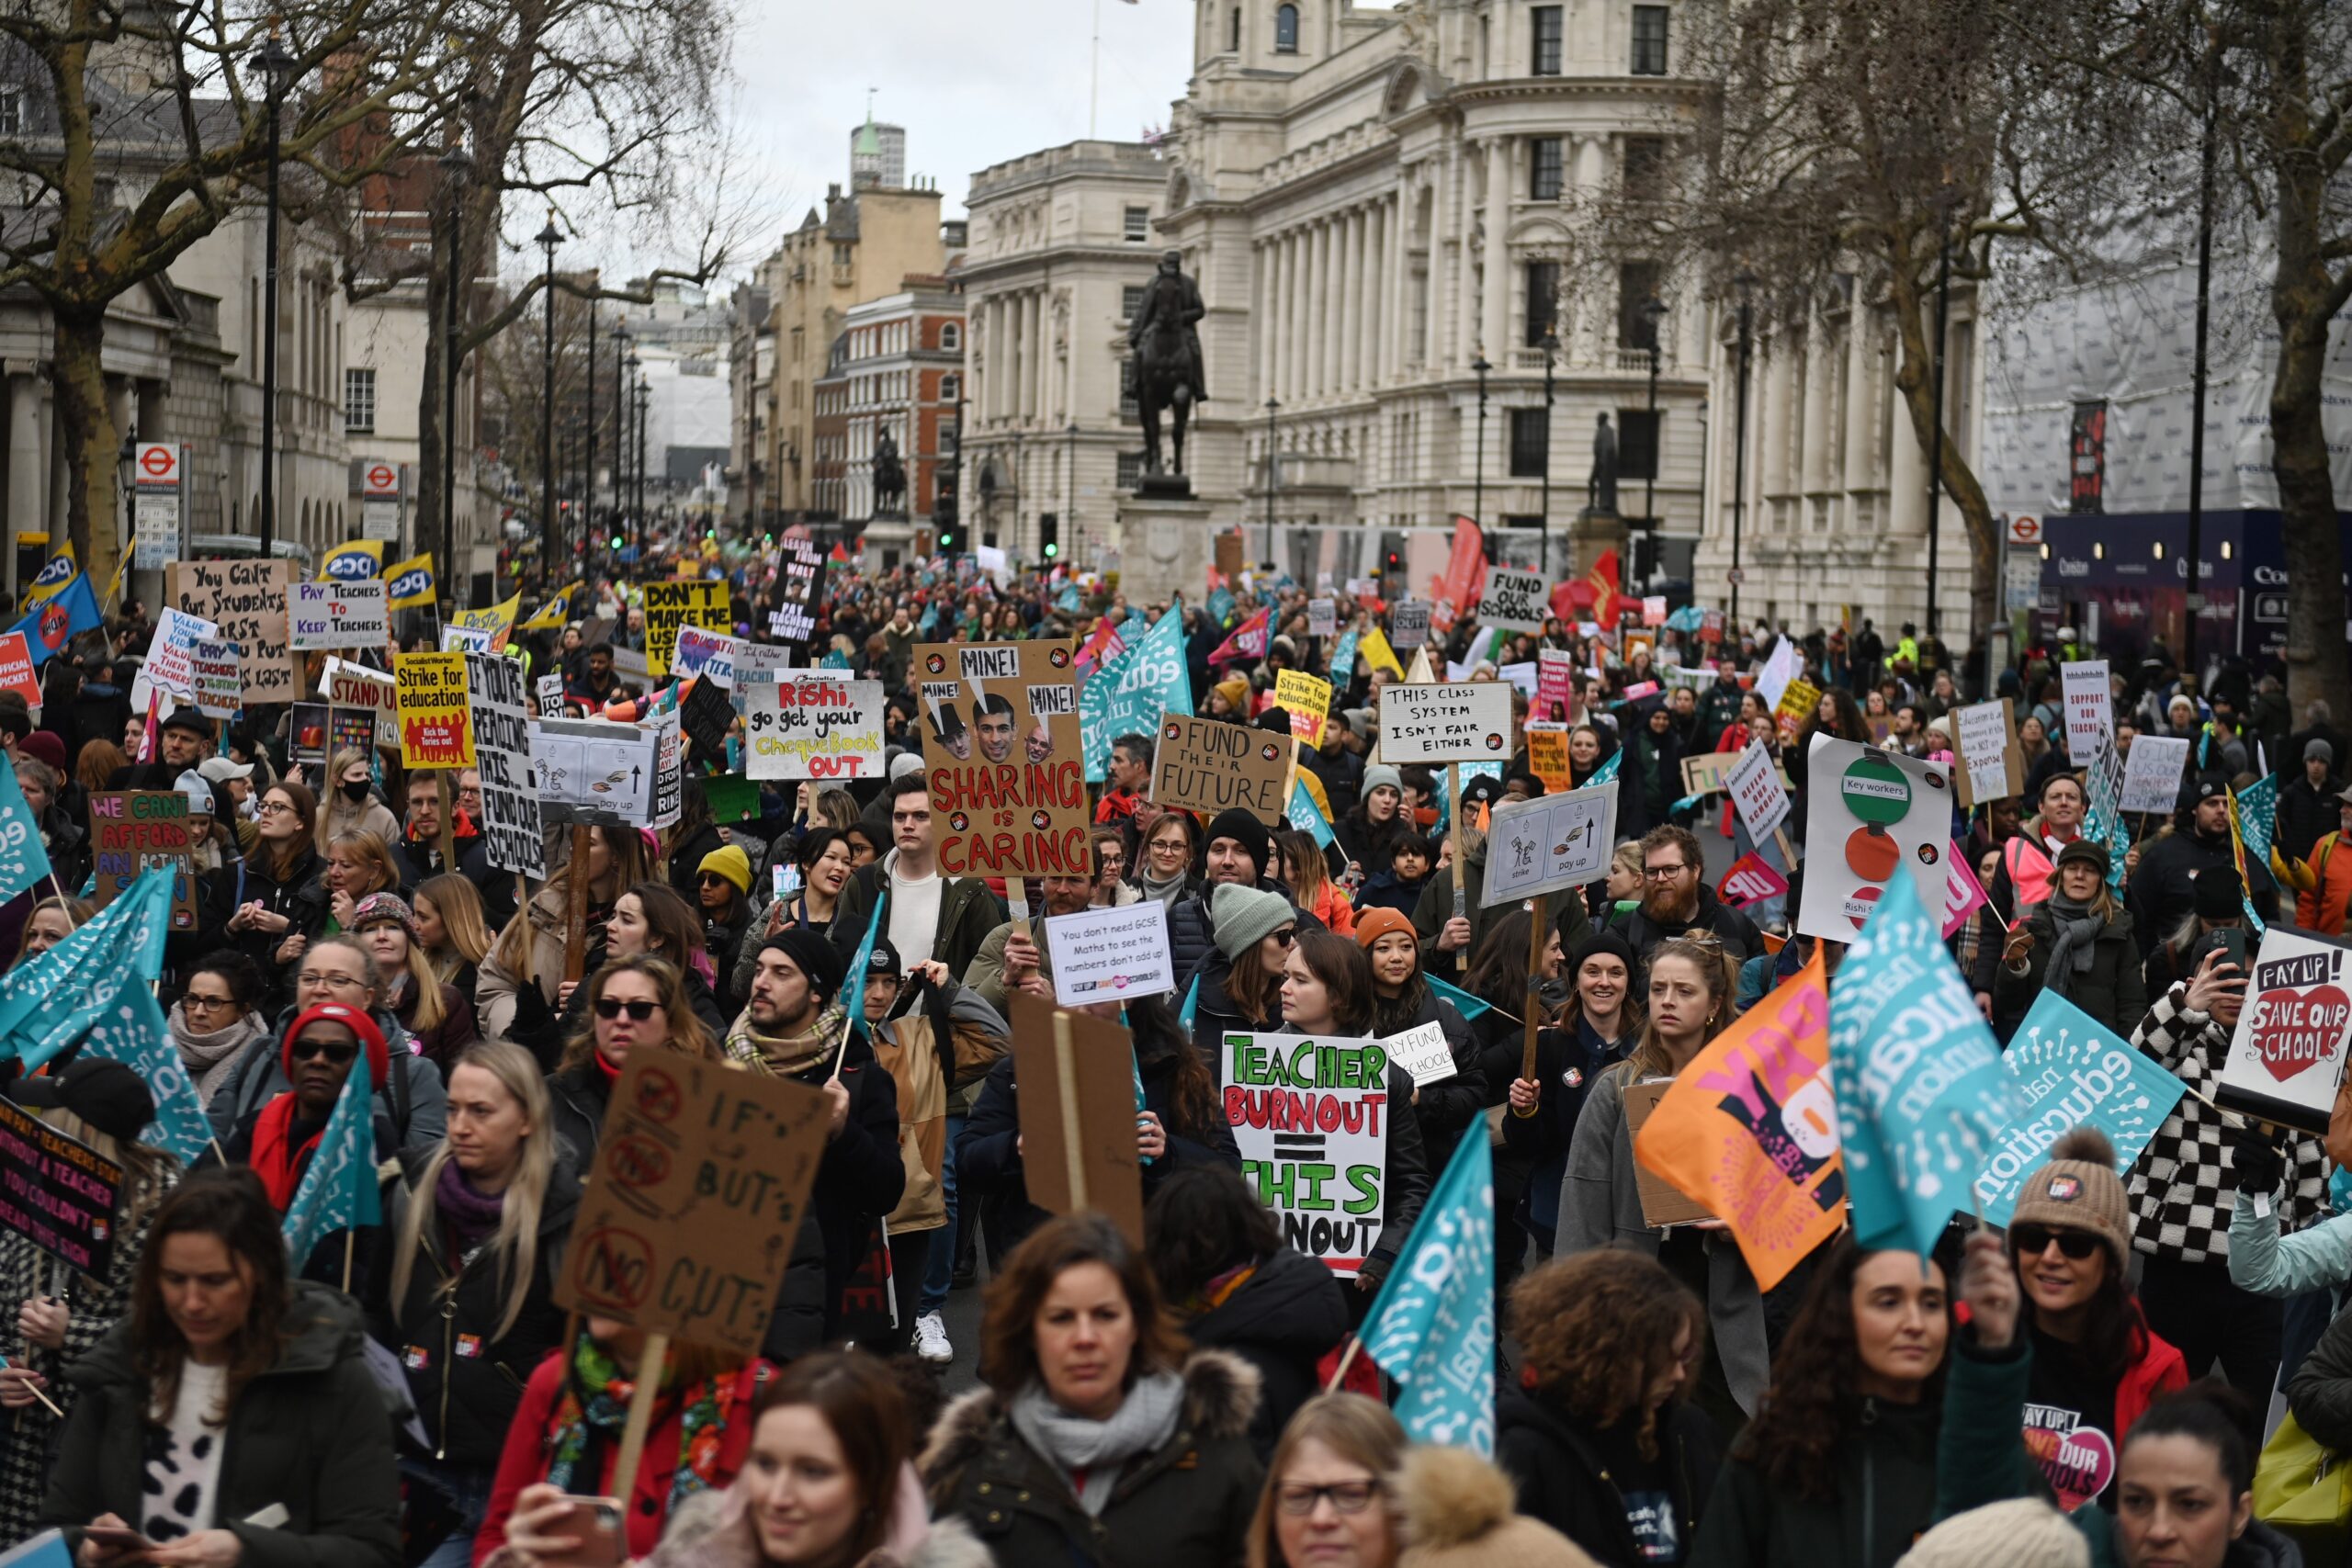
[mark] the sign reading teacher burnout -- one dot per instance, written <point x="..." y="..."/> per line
<point x="1003" y="750"/>
<point x="805" y="725"/>
<point x="1310" y="1117"/>
<point x="1464" y="723"/>
<point x="1205" y="765"/>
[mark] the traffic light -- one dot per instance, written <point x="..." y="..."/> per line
<point x="946" y="540"/>
<point x="1049" y="534"/>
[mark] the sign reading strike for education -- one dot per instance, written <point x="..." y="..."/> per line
<point x="707" y="653"/>
<point x="1553" y="841"/>
<point x="213" y="661"/>
<point x="338" y="615"/>
<point x="245" y="601"/>
<point x="1420" y="1051"/>
<point x="1513" y="600"/>
<point x="699" y="1187"/>
<point x="2091" y="707"/>
<point x="1798" y="700"/>
<point x="1130" y="693"/>
<point x="1467" y="723"/>
<point x="1310" y="1117"/>
<point x="1207" y="766"/>
<point x="57" y="1193"/>
<point x="592" y="764"/>
<point x="1005" y="757"/>
<point x="1077" y="1134"/>
<point x="1110" y="956"/>
<point x="810" y="725"/>
<point x="2074" y="1072"/>
<point x="668" y="606"/>
<point x="432" y="693"/>
<point x="1749" y="1129"/>
<point x="1308" y="699"/>
<point x="1869" y="816"/>
<point x="509" y="796"/>
<point x="1757" y="792"/>
<point x="2287" y="1054"/>
<point x="132" y="830"/>
<point x="1990" y="766"/>
<point x="2152" y="773"/>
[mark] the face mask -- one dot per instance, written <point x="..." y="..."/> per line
<point x="355" y="791"/>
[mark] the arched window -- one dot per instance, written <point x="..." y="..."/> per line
<point x="951" y="337"/>
<point x="1286" y="29"/>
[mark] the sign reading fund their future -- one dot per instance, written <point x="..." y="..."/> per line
<point x="1205" y="765"/>
<point x="1464" y="723"/>
<point x="2288" y="1055"/>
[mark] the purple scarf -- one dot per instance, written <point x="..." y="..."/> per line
<point x="471" y="1217"/>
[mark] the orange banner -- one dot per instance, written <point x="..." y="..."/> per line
<point x="1750" y="1129"/>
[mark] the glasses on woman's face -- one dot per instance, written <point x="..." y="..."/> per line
<point x="2033" y="1241"/>
<point x="197" y="1002"/>
<point x="1298" y="1499"/>
<point x="331" y="980"/>
<point x="638" y="1007"/>
<point x="272" y="807"/>
<point x="1286" y="936"/>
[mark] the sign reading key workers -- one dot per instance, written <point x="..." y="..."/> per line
<point x="1005" y="754"/>
<point x="1207" y="765"/>
<point x="1465" y="723"/>
<point x="699" y="1187"/>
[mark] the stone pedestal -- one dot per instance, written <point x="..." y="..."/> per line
<point x="1163" y="548"/>
<point x="1591" y="534"/>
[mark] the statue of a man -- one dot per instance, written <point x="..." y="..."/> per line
<point x="1602" y="485"/>
<point x="1163" y="333"/>
<point x="889" y="474"/>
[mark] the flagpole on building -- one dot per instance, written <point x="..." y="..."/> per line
<point x="1094" y="73"/>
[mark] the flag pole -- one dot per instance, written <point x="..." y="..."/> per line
<point x="1346" y="1361"/>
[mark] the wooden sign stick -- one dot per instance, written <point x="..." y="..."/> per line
<point x="1535" y="935"/>
<point x="650" y="1367"/>
<point x="575" y="912"/>
<point x="1073" y="1144"/>
<point x="1788" y="850"/>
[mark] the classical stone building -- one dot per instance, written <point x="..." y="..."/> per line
<point x="899" y="367"/>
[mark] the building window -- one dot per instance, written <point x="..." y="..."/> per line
<point x="841" y="255"/>
<point x="951" y="387"/>
<point x="1130" y="302"/>
<point x="359" y="403"/>
<point x="1233" y="31"/>
<point x="1135" y="226"/>
<point x="1649" y="40"/>
<point x="1544" y="168"/>
<point x="1637" y="444"/>
<point x="951" y="337"/>
<point x="1645" y="167"/>
<point x="1542" y="300"/>
<point x="1130" y="469"/>
<point x="1545" y="59"/>
<point x="1286" y="29"/>
<point x="12" y="112"/>
<point x="1637" y="284"/>
<point x="1129" y="408"/>
<point x="1531" y="442"/>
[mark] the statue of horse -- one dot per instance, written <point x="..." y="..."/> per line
<point x="1164" y="377"/>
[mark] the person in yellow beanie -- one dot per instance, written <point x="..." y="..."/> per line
<point x="1233" y="693"/>
<point x="725" y="893"/>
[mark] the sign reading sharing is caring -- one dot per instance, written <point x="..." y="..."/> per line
<point x="2074" y="1072"/>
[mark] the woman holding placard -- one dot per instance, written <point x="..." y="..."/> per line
<point x="1600" y="1202"/>
<point x="1402" y="1000"/>
<point x="1327" y="992"/>
<point x="1597" y="1027"/>
<point x="2078" y="944"/>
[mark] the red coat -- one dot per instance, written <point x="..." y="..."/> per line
<point x="524" y="1461"/>
<point x="2159" y="1369"/>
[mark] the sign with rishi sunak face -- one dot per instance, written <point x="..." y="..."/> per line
<point x="1005" y="756"/>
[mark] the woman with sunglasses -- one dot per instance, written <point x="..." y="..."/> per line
<point x="2096" y="1364"/>
<point x="214" y="1022"/>
<point x="1241" y="979"/>
<point x="633" y="1004"/>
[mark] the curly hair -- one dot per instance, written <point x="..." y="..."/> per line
<point x="1596" y="1331"/>
<point x="1814" y="1400"/>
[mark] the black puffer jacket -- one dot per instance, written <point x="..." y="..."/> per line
<point x="1563" y="1480"/>
<point x="300" y="896"/>
<point x="1282" y="1320"/>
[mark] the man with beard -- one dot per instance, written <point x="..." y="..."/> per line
<point x="1676" y="901"/>
<point x="792" y="1028"/>
<point x="1014" y="958"/>
<point x="2162" y="892"/>
<point x="993" y="716"/>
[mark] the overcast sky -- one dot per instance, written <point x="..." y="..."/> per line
<point x="974" y="81"/>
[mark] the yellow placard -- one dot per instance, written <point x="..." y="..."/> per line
<point x="431" y="695"/>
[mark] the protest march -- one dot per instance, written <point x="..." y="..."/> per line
<point x="1487" y="1071"/>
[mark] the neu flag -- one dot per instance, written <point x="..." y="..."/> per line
<point x="1607" y="771"/>
<point x="131" y="1030"/>
<point x="857" y="968"/>
<point x="1433" y="1325"/>
<point x="1307" y="817"/>
<point x="1922" y="1097"/>
<point x="50" y="1002"/>
<point x="1129" y="694"/>
<point x="1249" y="640"/>
<point x="53" y="624"/>
<point x="1343" y="657"/>
<point x="23" y="860"/>
<point x="338" y="1192"/>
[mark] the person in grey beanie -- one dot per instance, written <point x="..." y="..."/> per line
<point x="1241" y="980"/>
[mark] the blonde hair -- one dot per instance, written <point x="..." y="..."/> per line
<point x="370" y="848"/>
<point x="516" y="1243"/>
<point x="689" y="1036"/>
<point x="1356" y="1429"/>
<point x="330" y="802"/>
<point x="417" y="971"/>
<point x="459" y="903"/>
<point x="1705" y="953"/>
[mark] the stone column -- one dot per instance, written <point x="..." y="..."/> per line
<point x="1466" y="264"/>
<point x="1495" y="325"/>
<point x="1819" y="367"/>
<point x="1861" y="401"/>
<point x="1335" y="303"/>
<point x="1772" y="427"/>
<point x="1261" y="319"/>
<point x="1359" y="302"/>
<point x="1294" y="373"/>
<point x="1906" y="469"/>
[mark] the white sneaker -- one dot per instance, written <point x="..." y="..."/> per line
<point x="930" y="1339"/>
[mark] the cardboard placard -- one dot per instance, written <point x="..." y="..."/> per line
<point x="57" y="1193"/>
<point x="1547" y="755"/>
<point x="707" y="653"/>
<point x="1871" y="816"/>
<point x="668" y="606"/>
<point x="668" y="771"/>
<point x="214" y="663"/>
<point x="170" y="653"/>
<point x="697" y="1194"/>
<point x="2152" y="773"/>
<point x="1540" y="846"/>
<point x="1757" y="793"/>
<point x="432" y="693"/>
<point x="245" y="601"/>
<point x="1208" y="766"/>
<point x="1984" y="741"/>
<point x="1408" y="623"/>
<point x="1704" y="775"/>
<point x="1464" y="723"/>
<point x="338" y="615"/>
<point x="1662" y="1205"/>
<point x="1078" y="1113"/>
<point x="511" y="832"/>
<point x="1513" y="600"/>
<point x="812" y="725"/>
<point x="350" y="685"/>
<point x="1228" y="554"/>
<point x="132" y="830"/>
<point x="1422" y="1052"/>
<point x="1006" y="758"/>
<point x="1308" y="699"/>
<point x="1111" y="955"/>
<point x="2286" y="1057"/>
<point x="592" y="764"/>
<point x="1310" y="1116"/>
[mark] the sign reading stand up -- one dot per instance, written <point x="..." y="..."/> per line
<point x="2287" y="1058"/>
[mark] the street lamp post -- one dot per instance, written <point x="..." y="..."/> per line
<point x="1551" y="346"/>
<point x="1479" y="482"/>
<point x="1746" y="282"/>
<point x="588" y="463"/>
<point x="1070" y="506"/>
<point x="620" y="420"/>
<point x="644" y="396"/>
<point x="1273" y="478"/>
<point x="456" y="165"/>
<point x="1653" y="311"/>
<point x="277" y="66"/>
<point x="550" y="534"/>
<point x="1936" y="441"/>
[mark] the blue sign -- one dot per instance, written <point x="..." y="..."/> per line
<point x="1922" y="1099"/>
<point x="1307" y="817"/>
<point x="1129" y="694"/>
<point x="2072" y="1072"/>
<point x="23" y="860"/>
<point x="1343" y="658"/>
<point x="338" y="1191"/>
<point x="1433" y="1325"/>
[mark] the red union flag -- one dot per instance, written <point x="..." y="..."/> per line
<point x="1751" y="880"/>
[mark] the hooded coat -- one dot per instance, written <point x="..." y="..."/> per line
<point x="1552" y="1456"/>
<point x="1282" y="1320"/>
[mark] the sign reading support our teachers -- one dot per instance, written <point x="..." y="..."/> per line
<point x="1310" y="1117"/>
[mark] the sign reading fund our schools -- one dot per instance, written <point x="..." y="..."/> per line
<point x="509" y="796"/>
<point x="668" y="606"/>
<point x="1310" y="1117"/>
<point x="1513" y="600"/>
<point x="1003" y="749"/>
<point x="2287" y="1054"/>
<point x="807" y="725"/>
<point x="1467" y="723"/>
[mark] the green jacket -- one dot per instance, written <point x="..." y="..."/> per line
<point x="1436" y="907"/>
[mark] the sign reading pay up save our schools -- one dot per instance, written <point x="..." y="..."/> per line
<point x="2287" y="1054"/>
